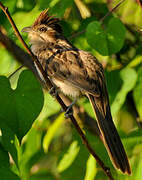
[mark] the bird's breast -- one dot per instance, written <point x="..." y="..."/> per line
<point x="67" y="88"/>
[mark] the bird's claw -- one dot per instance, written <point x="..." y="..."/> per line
<point x="53" y="91"/>
<point x="69" y="112"/>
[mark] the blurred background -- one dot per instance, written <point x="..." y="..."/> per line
<point x="52" y="149"/>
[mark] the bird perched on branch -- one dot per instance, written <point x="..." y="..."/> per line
<point x="76" y="72"/>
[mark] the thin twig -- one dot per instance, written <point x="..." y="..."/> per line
<point x="101" y="20"/>
<point x="19" y="54"/>
<point x="37" y="63"/>
<point x="112" y="10"/>
<point x="48" y="84"/>
<point x="5" y="10"/>
<point x="76" y="34"/>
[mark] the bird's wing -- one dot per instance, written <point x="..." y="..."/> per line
<point x="83" y="70"/>
<point x="102" y="111"/>
<point x="109" y="133"/>
<point x="68" y="66"/>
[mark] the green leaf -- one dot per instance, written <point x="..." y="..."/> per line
<point x="9" y="143"/>
<point x="7" y="65"/>
<point x="136" y="61"/>
<point x="57" y="7"/>
<point x="119" y="83"/>
<point x="68" y="157"/>
<point x="77" y="168"/>
<point x="33" y="142"/>
<point x="20" y="107"/>
<point x="108" y="41"/>
<point x="129" y="77"/>
<point x="97" y="38"/>
<point x="10" y="4"/>
<point x="114" y="83"/>
<point x="51" y="132"/>
<point x="137" y="93"/>
<point x="44" y="4"/>
<point x="88" y="108"/>
<point x="5" y="172"/>
<point x="138" y="170"/>
<point x="28" y="19"/>
<point x="26" y="5"/>
<point x="4" y="158"/>
<point x="90" y="168"/>
<point x="133" y="139"/>
<point x="115" y="35"/>
<point x="50" y="107"/>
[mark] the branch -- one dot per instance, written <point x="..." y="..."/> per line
<point x="49" y="85"/>
<point x="101" y="20"/>
<point x="17" y="52"/>
<point x="112" y="10"/>
<point x="42" y="74"/>
<point x="26" y="60"/>
<point x="140" y="3"/>
<point x="83" y="118"/>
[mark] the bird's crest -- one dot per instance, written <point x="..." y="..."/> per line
<point x="51" y="21"/>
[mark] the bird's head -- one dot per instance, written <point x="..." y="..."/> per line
<point x="44" y="29"/>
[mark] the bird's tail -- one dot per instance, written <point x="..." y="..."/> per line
<point x="110" y="136"/>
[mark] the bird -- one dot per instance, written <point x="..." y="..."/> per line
<point x="76" y="72"/>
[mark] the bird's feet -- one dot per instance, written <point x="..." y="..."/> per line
<point x="69" y="111"/>
<point x="53" y="91"/>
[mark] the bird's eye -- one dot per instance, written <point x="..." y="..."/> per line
<point x="43" y="29"/>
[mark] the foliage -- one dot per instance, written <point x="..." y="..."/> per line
<point x="109" y="42"/>
<point x="36" y="141"/>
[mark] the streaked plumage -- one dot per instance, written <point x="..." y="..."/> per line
<point x="77" y="72"/>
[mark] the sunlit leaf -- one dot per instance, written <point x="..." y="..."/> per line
<point x="88" y="108"/>
<point x="10" y="4"/>
<point x="131" y="13"/>
<point x="139" y="168"/>
<point x="68" y="157"/>
<point x="33" y="143"/>
<point x="51" y="132"/>
<point x="137" y="93"/>
<point x="84" y="10"/>
<point x="129" y="77"/>
<point x="136" y="61"/>
<point x="90" y="168"/>
<point x="50" y="106"/>
<point x="7" y="63"/>
<point x="28" y="19"/>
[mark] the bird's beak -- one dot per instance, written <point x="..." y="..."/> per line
<point x="26" y="29"/>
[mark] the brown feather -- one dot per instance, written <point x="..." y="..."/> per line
<point x="77" y="72"/>
<point x="50" y="21"/>
<point x="111" y="138"/>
